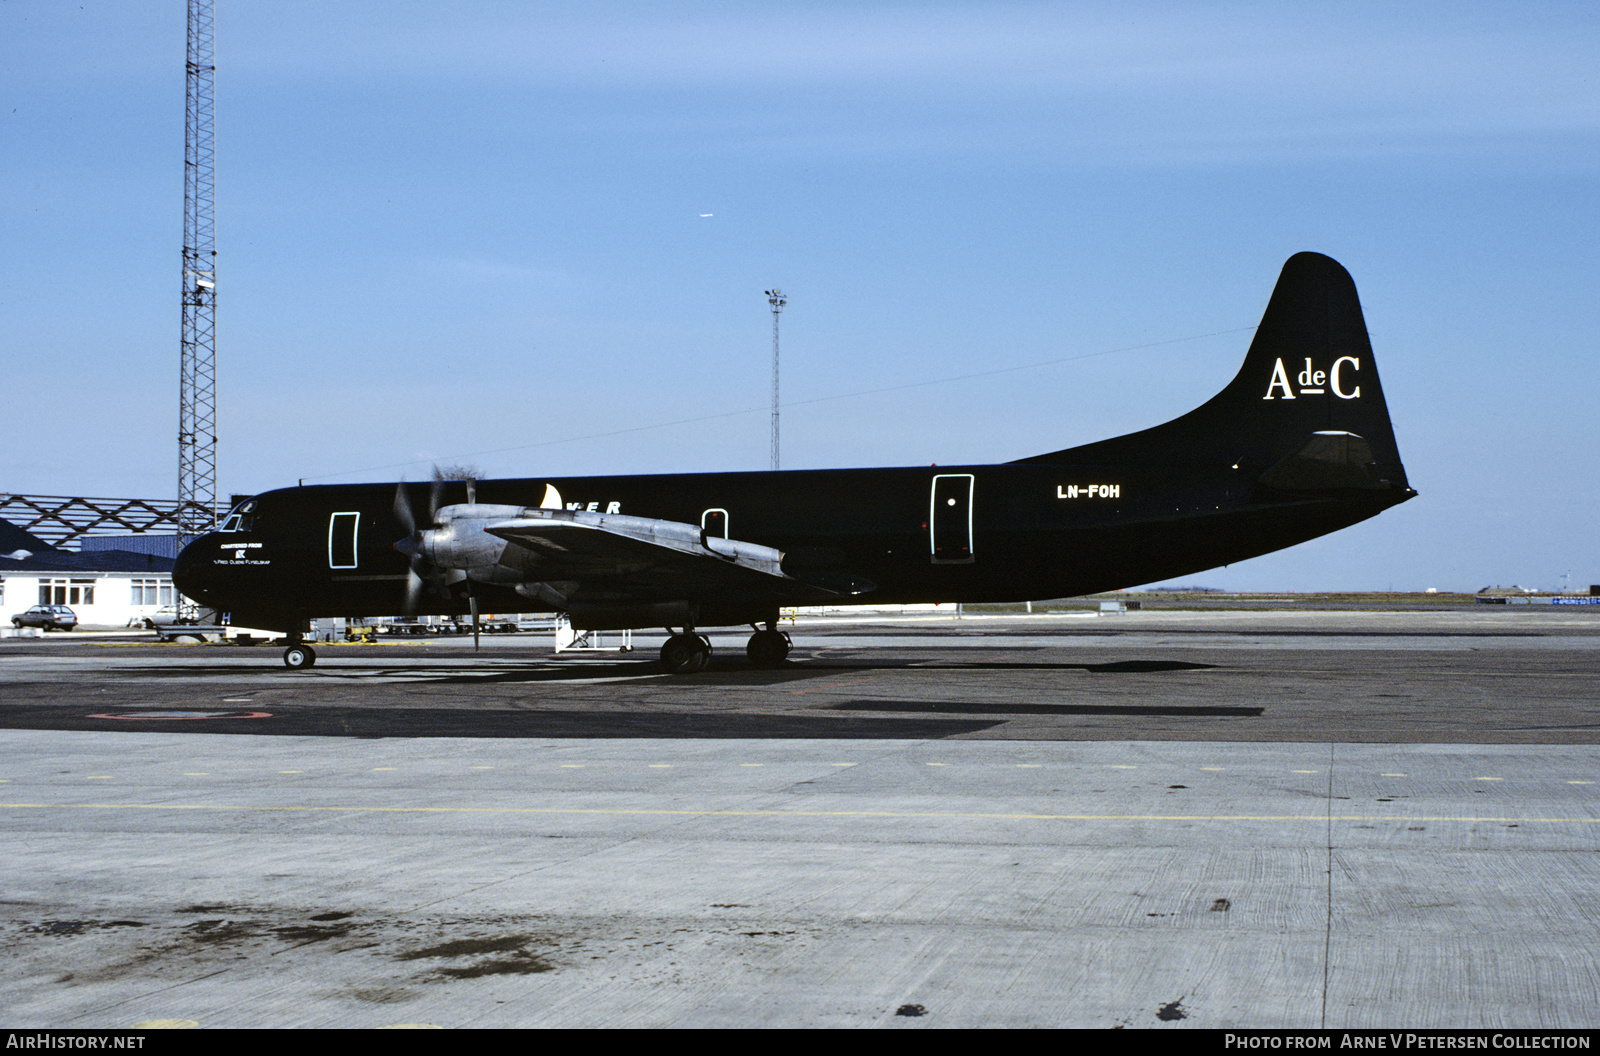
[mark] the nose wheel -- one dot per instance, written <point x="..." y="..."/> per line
<point x="684" y="654"/>
<point x="299" y="657"/>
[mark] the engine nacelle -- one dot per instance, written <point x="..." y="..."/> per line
<point x="459" y="537"/>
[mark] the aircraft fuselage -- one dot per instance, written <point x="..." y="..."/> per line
<point x="990" y="533"/>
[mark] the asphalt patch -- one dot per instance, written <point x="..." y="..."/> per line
<point x="340" y="721"/>
<point x="970" y="708"/>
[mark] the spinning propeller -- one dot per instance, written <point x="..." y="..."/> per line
<point x="411" y="545"/>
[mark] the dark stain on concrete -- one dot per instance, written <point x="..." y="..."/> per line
<point x="516" y="959"/>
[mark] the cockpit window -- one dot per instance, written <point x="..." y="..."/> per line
<point x="242" y="519"/>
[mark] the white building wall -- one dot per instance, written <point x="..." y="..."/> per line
<point x="119" y="597"/>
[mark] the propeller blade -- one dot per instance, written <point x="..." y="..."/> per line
<point x="402" y="509"/>
<point x="413" y="590"/>
<point x="411" y="545"/>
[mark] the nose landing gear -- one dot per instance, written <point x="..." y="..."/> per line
<point x="298" y="656"/>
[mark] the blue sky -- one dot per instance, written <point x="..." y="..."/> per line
<point x="472" y="232"/>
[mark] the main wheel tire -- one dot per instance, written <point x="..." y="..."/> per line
<point x="684" y="654"/>
<point x="768" y="648"/>
<point x="299" y="657"/>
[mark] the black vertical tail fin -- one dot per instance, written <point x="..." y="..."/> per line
<point x="1306" y="411"/>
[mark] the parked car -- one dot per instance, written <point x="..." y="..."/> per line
<point x="50" y="617"/>
<point x="165" y="616"/>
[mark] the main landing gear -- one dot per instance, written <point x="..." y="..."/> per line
<point x="684" y="654"/>
<point x="688" y="652"/>
<point x="768" y="648"/>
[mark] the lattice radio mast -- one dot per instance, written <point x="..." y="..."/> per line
<point x="197" y="386"/>
<point x="776" y="299"/>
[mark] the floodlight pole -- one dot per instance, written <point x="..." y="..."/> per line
<point x="197" y="384"/>
<point x="777" y="300"/>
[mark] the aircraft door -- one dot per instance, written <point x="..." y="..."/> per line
<point x="950" y="519"/>
<point x="342" y="539"/>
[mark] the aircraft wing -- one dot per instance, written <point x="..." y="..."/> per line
<point x="639" y="557"/>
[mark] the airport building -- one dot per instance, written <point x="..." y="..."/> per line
<point x="105" y="588"/>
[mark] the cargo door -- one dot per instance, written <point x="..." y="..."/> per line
<point x="950" y="519"/>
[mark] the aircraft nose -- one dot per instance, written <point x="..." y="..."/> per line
<point x="188" y="570"/>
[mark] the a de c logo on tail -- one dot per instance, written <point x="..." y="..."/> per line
<point x="1314" y="382"/>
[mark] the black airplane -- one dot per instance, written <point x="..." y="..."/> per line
<point x="1297" y="445"/>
